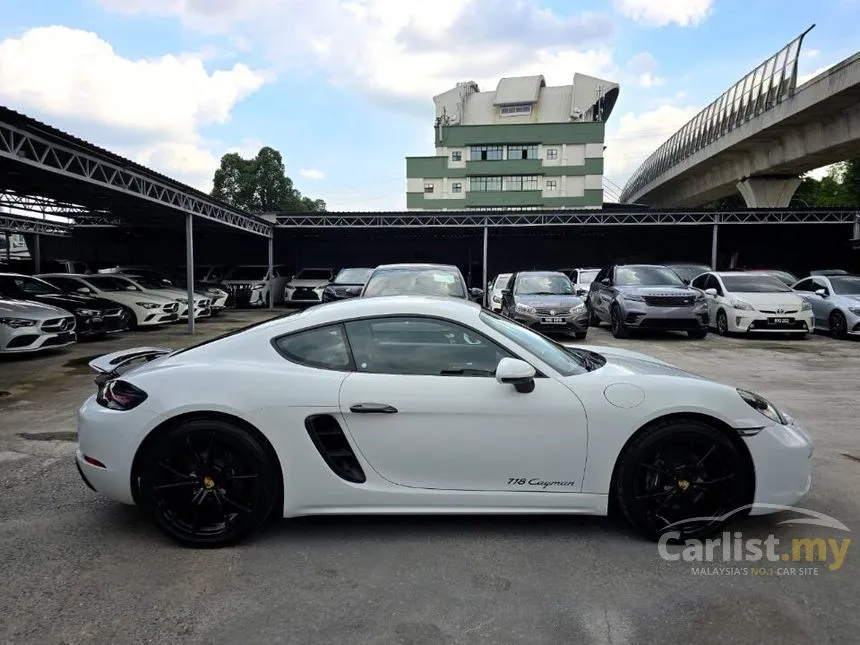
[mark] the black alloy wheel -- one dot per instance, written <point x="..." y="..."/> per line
<point x="683" y="476"/>
<point x="722" y="323"/>
<point x="130" y="316"/>
<point x="619" y="329"/>
<point x="838" y="325"/>
<point x="207" y="483"/>
<point x="593" y="320"/>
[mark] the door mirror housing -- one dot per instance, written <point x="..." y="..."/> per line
<point x="821" y="292"/>
<point x="84" y="290"/>
<point x="606" y="281"/>
<point x="521" y="375"/>
<point x="686" y="281"/>
<point x="711" y="292"/>
<point x="476" y="293"/>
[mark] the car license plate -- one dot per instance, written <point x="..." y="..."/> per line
<point x="553" y="321"/>
<point x="65" y="336"/>
<point x="781" y="321"/>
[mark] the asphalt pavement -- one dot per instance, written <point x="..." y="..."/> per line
<point x="77" y="568"/>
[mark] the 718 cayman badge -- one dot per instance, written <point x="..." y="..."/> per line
<point x="537" y="481"/>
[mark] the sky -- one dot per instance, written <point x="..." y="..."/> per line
<point x="343" y="88"/>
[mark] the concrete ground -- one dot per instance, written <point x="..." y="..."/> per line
<point x="76" y="568"/>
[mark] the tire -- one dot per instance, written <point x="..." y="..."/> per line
<point x="132" y="317"/>
<point x="619" y="329"/>
<point x="580" y="335"/>
<point x="697" y="334"/>
<point x="838" y="325"/>
<point x="722" y="323"/>
<point x="593" y="320"/>
<point x="232" y="463"/>
<point x="646" y="483"/>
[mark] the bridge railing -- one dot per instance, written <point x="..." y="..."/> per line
<point x="765" y="87"/>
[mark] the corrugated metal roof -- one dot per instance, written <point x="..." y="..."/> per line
<point x="518" y="90"/>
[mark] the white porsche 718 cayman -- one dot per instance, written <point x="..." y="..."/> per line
<point x="409" y="404"/>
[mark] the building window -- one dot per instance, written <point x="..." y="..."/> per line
<point x="522" y="152"/>
<point x="484" y="184"/>
<point x="521" y="182"/>
<point x="428" y="188"/>
<point x="456" y="187"/>
<point x="551" y="184"/>
<point x="486" y="153"/>
<point x="552" y="153"/>
<point x="515" y="110"/>
<point x="456" y="156"/>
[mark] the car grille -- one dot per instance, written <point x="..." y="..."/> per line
<point x="779" y="312"/>
<point x="239" y="292"/>
<point x="171" y="307"/>
<point x="552" y="311"/>
<point x="304" y="293"/>
<point x="669" y="301"/>
<point x="59" y="324"/>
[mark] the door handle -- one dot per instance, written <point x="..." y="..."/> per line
<point x="373" y="408"/>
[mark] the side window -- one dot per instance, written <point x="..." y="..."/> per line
<point x="421" y="346"/>
<point x="804" y="285"/>
<point x="323" y="347"/>
<point x="65" y="284"/>
<point x="713" y="283"/>
<point x="511" y="280"/>
<point x="600" y="276"/>
<point x="700" y="281"/>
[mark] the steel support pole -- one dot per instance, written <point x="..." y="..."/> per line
<point x="484" y="261"/>
<point x="857" y="227"/>
<point x="37" y="253"/>
<point x="715" y="234"/>
<point x="8" y="249"/>
<point x="271" y="270"/>
<point x="189" y="268"/>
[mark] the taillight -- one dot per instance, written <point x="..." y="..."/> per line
<point x="120" y="395"/>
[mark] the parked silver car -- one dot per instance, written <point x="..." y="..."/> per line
<point x="646" y="296"/>
<point x="545" y="301"/>
<point x="835" y="301"/>
<point x="32" y="326"/>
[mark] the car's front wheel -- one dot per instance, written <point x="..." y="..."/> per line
<point x="681" y="476"/>
<point x="207" y="483"/>
<point x="619" y="329"/>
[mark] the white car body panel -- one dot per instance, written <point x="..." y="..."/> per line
<point x="569" y="429"/>
<point x="496" y="292"/>
<point x="53" y="327"/>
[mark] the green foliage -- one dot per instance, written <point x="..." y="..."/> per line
<point x="260" y="185"/>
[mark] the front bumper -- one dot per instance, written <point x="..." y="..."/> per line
<point x="743" y="321"/>
<point x="639" y="315"/>
<point x="563" y="323"/>
<point x="782" y="458"/>
<point x="302" y="296"/>
<point x="26" y="340"/>
<point x="100" y="325"/>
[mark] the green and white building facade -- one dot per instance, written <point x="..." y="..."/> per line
<point x="522" y="145"/>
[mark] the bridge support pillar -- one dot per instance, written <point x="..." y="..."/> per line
<point x="768" y="192"/>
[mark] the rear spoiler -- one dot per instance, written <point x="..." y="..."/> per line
<point x="109" y="365"/>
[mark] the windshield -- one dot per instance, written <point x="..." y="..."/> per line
<point x="501" y="281"/>
<point x="247" y="273"/>
<point x="105" y="283"/>
<point x="846" y="285"/>
<point x="753" y="284"/>
<point x="149" y="283"/>
<point x="13" y="284"/>
<point x="350" y="276"/>
<point x="646" y="276"/>
<point x="550" y="284"/>
<point x="586" y="276"/>
<point x="321" y="274"/>
<point x="566" y="361"/>
<point x="689" y="271"/>
<point x="416" y="282"/>
<point x="783" y="276"/>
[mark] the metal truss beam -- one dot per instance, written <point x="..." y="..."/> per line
<point x="25" y="148"/>
<point x="41" y="205"/>
<point x="18" y="224"/>
<point x="459" y="219"/>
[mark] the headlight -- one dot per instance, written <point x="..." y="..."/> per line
<point x="805" y="306"/>
<point x="257" y="287"/>
<point x="632" y="298"/>
<point x="763" y="406"/>
<point x="525" y="309"/>
<point x="740" y="304"/>
<point x="853" y="310"/>
<point x="16" y="323"/>
<point x="147" y="305"/>
<point x="578" y="308"/>
<point x="87" y="313"/>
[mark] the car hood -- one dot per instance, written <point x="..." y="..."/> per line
<point x="560" y="300"/>
<point x="658" y="291"/>
<point x="784" y="299"/>
<point x="71" y="301"/>
<point x="623" y="362"/>
<point x="313" y="284"/>
<point x="850" y="300"/>
<point x="28" y="309"/>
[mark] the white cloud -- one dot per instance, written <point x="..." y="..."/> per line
<point x="150" y="109"/>
<point x="312" y="174"/>
<point x="639" y="71"/>
<point x="635" y="136"/>
<point x="659" y="13"/>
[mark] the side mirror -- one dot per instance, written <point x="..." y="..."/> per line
<point x="520" y="374"/>
<point x="84" y="290"/>
<point x="606" y="281"/>
<point x="581" y="292"/>
<point x="710" y="292"/>
<point x="686" y="282"/>
<point x="821" y="292"/>
<point x="476" y="293"/>
<point x="506" y="292"/>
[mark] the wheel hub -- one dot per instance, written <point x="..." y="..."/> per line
<point x="208" y="483"/>
<point x="683" y="484"/>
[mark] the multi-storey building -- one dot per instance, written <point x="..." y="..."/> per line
<point x="522" y="145"/>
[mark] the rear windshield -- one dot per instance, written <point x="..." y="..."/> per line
<point x="415" y="282"/>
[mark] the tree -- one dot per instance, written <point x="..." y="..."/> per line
<point x="260" y="184"/>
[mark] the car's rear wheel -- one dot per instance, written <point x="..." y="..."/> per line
<point x="681" y="476"/>
<point x="207" y="483"/>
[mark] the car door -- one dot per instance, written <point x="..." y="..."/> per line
<point x="425" y="411"/>
<point x="719" y="300"/>
<point x="604" y="293"/>
<point x="508" y="296"/>
<point x="701" y="283"/>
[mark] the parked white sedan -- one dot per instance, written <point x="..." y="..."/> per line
<point x="741" y="302"/>
<point x="410" y="404"/>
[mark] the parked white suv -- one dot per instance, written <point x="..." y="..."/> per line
<point x="307" y="286"/>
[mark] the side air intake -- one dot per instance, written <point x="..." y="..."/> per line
<point x="334" y="448"/>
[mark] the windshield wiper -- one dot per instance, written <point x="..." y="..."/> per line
<point x="468" y="371"/>
<point x="586" y="358"/>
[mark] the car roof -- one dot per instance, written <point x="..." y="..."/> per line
<point x="537" y="272"/>
<point x="418" y="265"/>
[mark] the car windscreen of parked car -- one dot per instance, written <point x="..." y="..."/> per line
<point x="586" y="276"/>
<point x="247" y="273"/>
<point x="689" y="271"/>
<point x="846" y="285"/>
<point x="753" y="284"/>
<point x="543" y="285"/>
<point x="105" y="283"/>
<point x="351" y="276"/>
<point x="415" y="282"/>
<point x="647" y="276"/>
<point x="313" y="274"/>
<point x="13" y="284"/>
